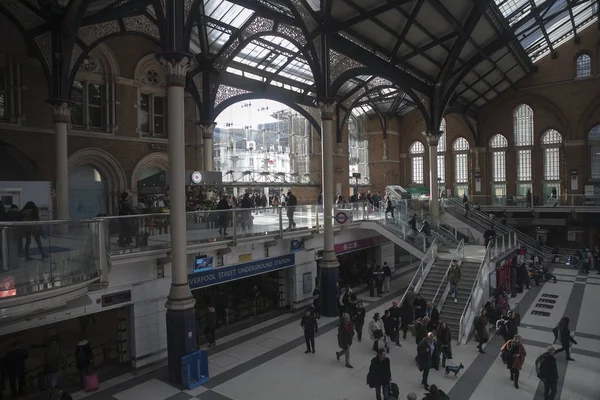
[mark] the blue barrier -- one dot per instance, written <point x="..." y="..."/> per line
<point x="194" y="369"/>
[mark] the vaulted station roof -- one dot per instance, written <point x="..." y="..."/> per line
<point x="386" y="56"/>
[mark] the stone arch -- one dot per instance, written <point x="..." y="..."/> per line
<point x="589" y="119"/>
<point x="156" y="159"/>
<point x="107" y="165"/>
<point x="149" y="65"/>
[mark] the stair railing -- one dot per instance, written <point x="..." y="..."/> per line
<point x="422" y="271"/>
<point x="444" y="287"/>
<point x="477" y="296"/>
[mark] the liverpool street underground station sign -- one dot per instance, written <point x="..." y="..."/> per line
<point x="239" y="271"/>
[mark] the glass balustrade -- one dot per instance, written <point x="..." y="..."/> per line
<point x="41" y="256"/>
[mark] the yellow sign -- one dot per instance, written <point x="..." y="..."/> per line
<point x="244" y="258"/>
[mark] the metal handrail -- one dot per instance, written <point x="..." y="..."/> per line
<point x="445" y="278"/>
<point x="423" y="269"/>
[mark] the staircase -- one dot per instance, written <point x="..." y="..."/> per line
<point x="433" y="280"/>
<point x="451" y="311"/>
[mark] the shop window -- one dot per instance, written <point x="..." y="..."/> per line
<point x="89" y="109"/>
<point x="417" y="155"/>
<point x="152" y="115"/>
<point x="583" y="66"/>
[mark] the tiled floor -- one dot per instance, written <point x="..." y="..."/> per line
<point x="273" y="365"/>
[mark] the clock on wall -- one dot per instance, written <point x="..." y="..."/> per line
<point x="196" y="177"/>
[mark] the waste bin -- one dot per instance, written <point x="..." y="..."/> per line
<point x="194" y="369"/>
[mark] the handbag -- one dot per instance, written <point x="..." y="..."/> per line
<point x="378" y="334"/>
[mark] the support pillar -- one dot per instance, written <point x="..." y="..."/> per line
<point x="181" y="314"/>
<point x="385" y="150"/>
<point x="208" y="129"/>
<point x="432" y="142"/>
<point x="329" y="263"/>
<point x="62" y="116"/>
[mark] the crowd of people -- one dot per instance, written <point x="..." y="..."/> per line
<point x="29" y="213"/>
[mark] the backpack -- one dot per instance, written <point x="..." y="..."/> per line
<point x="501" y="327"/>
<point x="539" y="370"/>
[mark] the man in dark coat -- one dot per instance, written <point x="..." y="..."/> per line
<point x="380" y="374"/>
<point x="345" y="335"/>
<point x="427" y="357"/>
<point x="420" y="306"/>
<point x="309" y="324"/>
<point x="434" y="318"/>
<point x="408" y="316"/>
<point x="548" y="373"/>
<point x="224" y="216"/>
<point x="210" y="321"/>
<point x="15" y="367"/>
<point x="396" y="313"/>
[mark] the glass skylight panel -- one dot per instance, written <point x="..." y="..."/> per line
<point x="217" y="39"/>
<point x="227" y="12"/>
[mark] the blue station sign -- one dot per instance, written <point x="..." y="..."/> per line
<point x="224" y="274"/>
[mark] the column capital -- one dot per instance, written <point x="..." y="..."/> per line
<point x="177" y="65"/>
<point x="432" y="137"/>
<point x="207" y="128"/>
<point x="327" y="107"/>
<point x="61" y="110"/>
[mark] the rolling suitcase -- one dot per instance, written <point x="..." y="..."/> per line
<point x="91" y="382"/>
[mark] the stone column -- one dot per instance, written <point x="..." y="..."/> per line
<point x="329" y="263"/>
<point x="385" y="150"/>
<point x="208" y="129"/>
<point x="62" y="117"/>
<point x="181" y="314"/>
<point x="432" y="142"/>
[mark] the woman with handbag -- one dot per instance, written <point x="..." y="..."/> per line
<point x="513" y="353"/>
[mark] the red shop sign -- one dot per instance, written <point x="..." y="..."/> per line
<point x="359" y="244"/>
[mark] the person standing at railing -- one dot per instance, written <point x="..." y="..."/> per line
<point x="291" y="208"/>
<point x="125" y="227"/>
<point x="454" y="275"/>
<point x="413" y="223"/>
<point x="223" y="217"/>
<point x="389" y="209"/>
<point x="426" y="230"/>
<point x="31" y="213"/>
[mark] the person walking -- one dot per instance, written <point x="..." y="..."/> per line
<point x="52" y="361"/>
<point x="547" y="371"/>
<point x="433" y="315"/>
<point x="427" y="357"/>
<point x="396" y="313"/>
<point x="408" y="316"/>
<point x="15" y="368"/>
<point x="380" y="375"/>
<point x="454" y="274"/>
<point x="513" y="354"/>
<point x="83" y="359"/>
<point x="310" y="326"/>
<point x="359" y="320"/>
<point x="387" y="277"/>
<point x="563" y="333"/>
<point x="444" y="341"/>
<point x="345" y="335"/>
<point x="482" y="334"/>
<point x="420" y="306"/>
<point x="210" y="322"/>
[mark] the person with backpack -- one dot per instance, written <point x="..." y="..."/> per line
<point x="513" y="354"/>
<point x="310" y="327"/>
<point x="547" y="370"/>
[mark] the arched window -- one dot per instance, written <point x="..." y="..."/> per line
<point x="583" y="66"/>
<point x="594" y="143"/>
<point x="91" y="93"/>
<point x="441" y="158"/>
<point x="417" y="155"/>
<point x="498" y="146"/>
<point x="152" y="103"/>
<point x="551" y="142"/>
<point x="460" y="148"/>
<point x="358" y="149"/>
<point x="523" y="132"/>
<point x="87" y="193"/>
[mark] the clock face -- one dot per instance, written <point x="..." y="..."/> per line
<point x="196" y="177"/>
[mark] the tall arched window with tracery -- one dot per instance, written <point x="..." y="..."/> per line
<point x="594" y="144"/>
<point x="152" y="102"/>
<point x="358" y="149"/>
<point x="441" y="158"/>
<point x="523" y="135"/>
<point x="460" y="149"/>
<point x="93" y="95"/>
<point x="498" y="147"/>
<point x="583" y="66"/>
<point x="417" y="157"/>
<point x="551" y="143"/>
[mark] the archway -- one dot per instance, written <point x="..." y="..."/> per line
<point x="101" y="169"/>
<point x="151" y="164"/>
